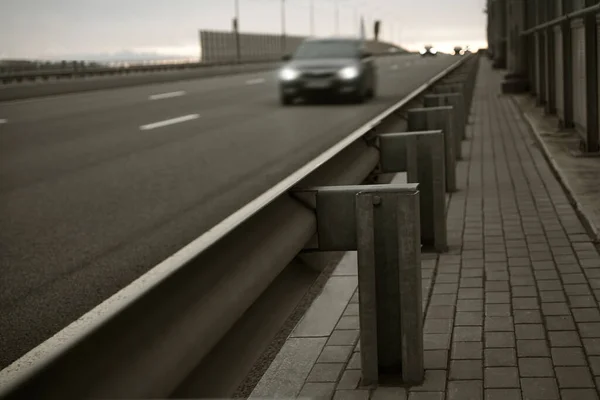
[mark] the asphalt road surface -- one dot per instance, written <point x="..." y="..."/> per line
<point x="96" y="188"/>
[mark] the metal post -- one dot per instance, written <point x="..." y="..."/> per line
<point x="541" y="54"/>
<point x="591" y="72"/>
<point x="567" y="53"/>
<point x="236" y="28"/>
<point x="421" y="156"/>
<point x="458" y="86"/>
<point x="550" y="71"/>
<point x="454" y="100"/>
<point x="283" y="45"/>
<point x="381" y="222"/>
<point x="437" y="118"/>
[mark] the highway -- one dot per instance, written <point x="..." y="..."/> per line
<point x="96" y="188"/>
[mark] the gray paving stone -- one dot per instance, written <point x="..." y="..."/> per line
<point x="351" y="395"/>
<point x="500" y="357"/>
<point x="568" y="356"/>
<point x="348" y="323"/>
<point x="335" y="354"/>
<point x="436" y="341"/>
<point x="440" y="312"/>
<point x="498" y="310"/>
<point x="326" y="372"/>
<point x="524" y="291"/>
<point x="560" y="323"/>
<point x="499" y="324"/>
<point x="351" y="310"/>
<point x="343" y="338"/>
<point x="469" y="305"/>
<point x="589" y="329"/>
<point x="426" y="396"/>
<point x="503" y="394"/>
<point x="354" y="362"/>
<point x="532" y="348"/>
<point x="549" y="285"/>
<point x="499" y="339"/>
<point x="525" y="303"/>
<point x="536" y="367"/>
<point x="530" y="331"/>
<point x="350" y="379"/>
<point x="435" y="381"/>
<point x="574" y="377"/>
<point x="445" y="288"/>
<point x="592" y="346"/>
<point x="564" y="339"/>
<point x="467" y="334"/>
<point x="555" y="309"/>
<point x="586" y="315"/>
<point x="436" y="359"/>
<point x="467" y="350"/>
<point x="595" y="365"/>
<point x="527" y="317"/>
<point x="497" y="298"/>
<point x="501" y="377"/>
<point x="466" y="370"/>
<point x="540" y="389"/>
<point x="317" y="390"/>
<point x="578" y="394"/>
<point x="553" y="296"/>
<point x="469" y="318"/>
<point x="465" y="390"/>
<point x="438" y="326"/>
<point x="497" y="286"/>
<point x="389" y="393"/>
<point x="582" y="301"/>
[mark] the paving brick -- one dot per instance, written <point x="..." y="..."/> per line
<point x="499" y="324"/>
<point x="586" y="315"/>
<point x="532" y="348"/>
<point x="469" y="318"/>
<point x="335" y="354"/>
<point x="425" y="396"/>
<point x="555" y="309"/>
<point x="436" y="359"/>
<point x="351" y="395"/>
<point x="350" y="379"/>
<point x="391" y="393"/>
<point x="465" y="390"/>
<point x="501" y="377"/>
<point x="568" y="356"/>
<point x="553" y="296"/>
<point x="582" y="301"/>
<point x="438" y="326"/>
<point x="503" y="394"/>
<point x="466" y="370"/>
<point x="436" y="341"/>
<point x="527" y="317"/>
<point x="589" y="329"/>
<point x="326" y="372"/>
<point x="343" y="338"/>
<point x="440" y="312"/>
<point x="578" y="394"/>
<point x="348" y="323"/>
<point x="435" y="381"/>
<point x="497" y="298"/>
<point x="467" y="334"/>
<point x="524" y="291"/>
<point x="317" y="390"/>
<point x="540" y="389"/>
<point x="530" y="331"/>
<point x="497" y="310"/>
<point x="499" y="339"/>
<point x="536" y="367"/>
<point x="564" y="339"/>
<point x="560" y="323"/>
<point x="505" y="357"/>
<point x="467" y="350"/>
<point x="574" y="377"/>
<point x="355" y="362"/>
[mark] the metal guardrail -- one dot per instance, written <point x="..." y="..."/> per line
<point x="562" y="19"/>
<point x="52" y="368"/>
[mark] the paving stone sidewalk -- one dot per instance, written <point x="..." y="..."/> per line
<point x="512" y="312"/>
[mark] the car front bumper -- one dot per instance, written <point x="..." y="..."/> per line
<point x="333" y="86"/>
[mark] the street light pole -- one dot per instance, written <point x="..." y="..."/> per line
<point x="283" y="46"/>
<point x="312" y="18"/>
<point x="236" y="27"/>
<point x="337" y="17"/>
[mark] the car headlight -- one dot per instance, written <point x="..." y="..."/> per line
<point x="288" y="74"/>
<point x="349" y="73"/>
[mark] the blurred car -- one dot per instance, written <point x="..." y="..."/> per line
<point x="428" y="51"/>
<point x="336" y="66"/>
<point x="458" y="51"/>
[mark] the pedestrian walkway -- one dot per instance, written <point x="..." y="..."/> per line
<point x="511" y="309"/>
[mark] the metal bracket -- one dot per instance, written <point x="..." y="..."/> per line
<point x="381" y="222"/>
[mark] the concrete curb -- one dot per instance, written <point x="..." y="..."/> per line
<point x="591" y="228"/>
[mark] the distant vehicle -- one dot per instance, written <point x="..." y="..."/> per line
<point x="338" y="66"/>
<point x="428" y="51"/>
<point x="458" y="51"/>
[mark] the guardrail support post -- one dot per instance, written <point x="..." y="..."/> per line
<point x="591" y="90"/>
<point x="456" y="101"/>
<point x="462" y="87"/>
<point x="437" y="118"/>
<point x="567" y="57"/>
<point x="421" y="155"/>
<point x="381" y="222"/>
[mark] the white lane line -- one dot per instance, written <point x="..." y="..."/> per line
<point x="256" y="81"/>
<point x="171" y="121"/>
<point x="167" y="95"/>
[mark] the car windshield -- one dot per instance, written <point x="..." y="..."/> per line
<point x="326" y="49"/>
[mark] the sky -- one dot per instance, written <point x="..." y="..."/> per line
<point x="92" y="29"/>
